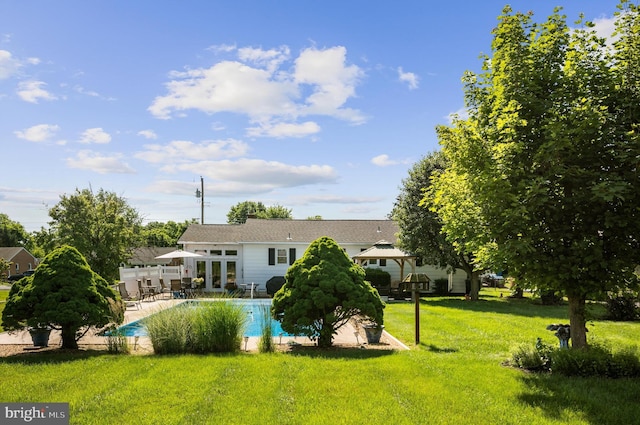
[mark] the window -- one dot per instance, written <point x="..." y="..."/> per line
<point x="373" y="261"/>
<point x="282" y="256"/>
<point x="383" y="262"/>
<point x="231" y="252"/>
<point x="279" y="256"/>
<point x="216" y="252"/>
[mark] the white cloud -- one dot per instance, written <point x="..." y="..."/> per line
<point x="331" y="80"/>
<point x="95" y="135"/>
<point x="148" y="134"/>
<point x="408" y="77"/>
<point x="38" y="133"/>
<point x="32" y="91"/>
<point x="247" y="176"/>
<point x="332" y="199"/>
<point x="269" y="59"/>
<point x="222" y="48"/>
<point x="604" y="27"/>
<point x="9" y="65"/>
<point x="266" y="174"/>
<point x="263" y="86"/>
<point x="180" y="151"/>
<point x="226" y="86"/>
<point x="462" y="113"/>
<point x="384" y="161"/>
<point x="281" y="130"/>
<point x="102" y="164"/>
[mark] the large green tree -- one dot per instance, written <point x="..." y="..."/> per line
<point x="239" y="213"/>
<point x="323" y="290"/>
<point x="163" y="234"/>
<point x="102" y="226"/>
<point x="421" y="227"/>
<point x="63" y="294"/>
<point x="12" y="233"/>
<point x="543" y="175"/>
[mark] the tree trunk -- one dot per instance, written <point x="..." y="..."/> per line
<point x="69" y="338"/>
<point x="325" y="339"/>
<point x="475" y="286"/>
<point x="577" y="321"/>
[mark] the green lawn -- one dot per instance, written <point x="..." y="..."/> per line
<point x="455" y="376"/>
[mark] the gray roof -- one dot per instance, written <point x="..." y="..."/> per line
<point x="147" y="255"/>
<point x="305" y="231"/>
<point x="10" y="252"/>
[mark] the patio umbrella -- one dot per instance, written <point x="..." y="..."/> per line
<point x="178" y="253"/>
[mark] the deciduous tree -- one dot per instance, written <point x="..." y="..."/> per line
<point x="543" y="175"/>
<point x="12" y="233"/>
<point x="102" y="226"/>
<point x="421" y="227"/>
<point x="239" y="213"/>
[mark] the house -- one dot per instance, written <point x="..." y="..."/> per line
<point x="21" y="260"/>
<point x="260" y="249"/>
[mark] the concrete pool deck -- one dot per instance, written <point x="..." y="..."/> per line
<point x="347" y="335"/>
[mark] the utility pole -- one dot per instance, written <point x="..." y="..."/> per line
<point x="200" y="195"/>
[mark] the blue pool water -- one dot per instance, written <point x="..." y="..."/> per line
<point x="254" y="319"/>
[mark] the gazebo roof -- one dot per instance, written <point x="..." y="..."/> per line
<point x="383" y="249"/>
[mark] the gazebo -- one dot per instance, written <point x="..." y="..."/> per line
<point x="383" y="250"/>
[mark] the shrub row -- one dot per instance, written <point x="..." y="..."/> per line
<point x="596" y="360"/>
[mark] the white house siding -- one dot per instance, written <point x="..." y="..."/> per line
<point x="253" y="262"/>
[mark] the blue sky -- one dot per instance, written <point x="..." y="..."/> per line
<point x="319" y="106"/>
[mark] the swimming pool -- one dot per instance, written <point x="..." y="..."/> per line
<point x="252" y="308"/>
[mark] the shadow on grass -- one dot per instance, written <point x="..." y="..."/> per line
<point x="521" y="307"/>
<point x="435" y="349"/>
<point x="598" y="400"/>
<point x="55" y="355"/>
<point x="337" y="352"/>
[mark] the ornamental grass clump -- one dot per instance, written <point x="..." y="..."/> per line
<point x="217" y="327"/>
<point x="265" y="344"/>
<point x="117" y="342"/>
<point x="169" y="330"/>
<point x="209" y="327"/>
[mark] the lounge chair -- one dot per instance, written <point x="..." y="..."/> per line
<point x="128" y="299"/>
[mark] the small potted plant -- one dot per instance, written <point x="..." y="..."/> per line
<point x="40" y="335"/>
<point x="231" y="287"/>
<point x="373" y="330"/>
<point x="197" y="282"/>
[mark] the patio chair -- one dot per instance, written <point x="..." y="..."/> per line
<point x="164" y="289"/>
<point x="176" y="289"/>
<point x="187" y="287"/>
<point x="129" y="301"/>
<point x="145" y="291"/>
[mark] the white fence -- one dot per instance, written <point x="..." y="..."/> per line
<point x="130" y="276"/>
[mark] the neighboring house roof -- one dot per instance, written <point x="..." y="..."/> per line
<point x="280" y="230"/>
<point x="147" y="256"/>
<point x="9" y="252"/>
